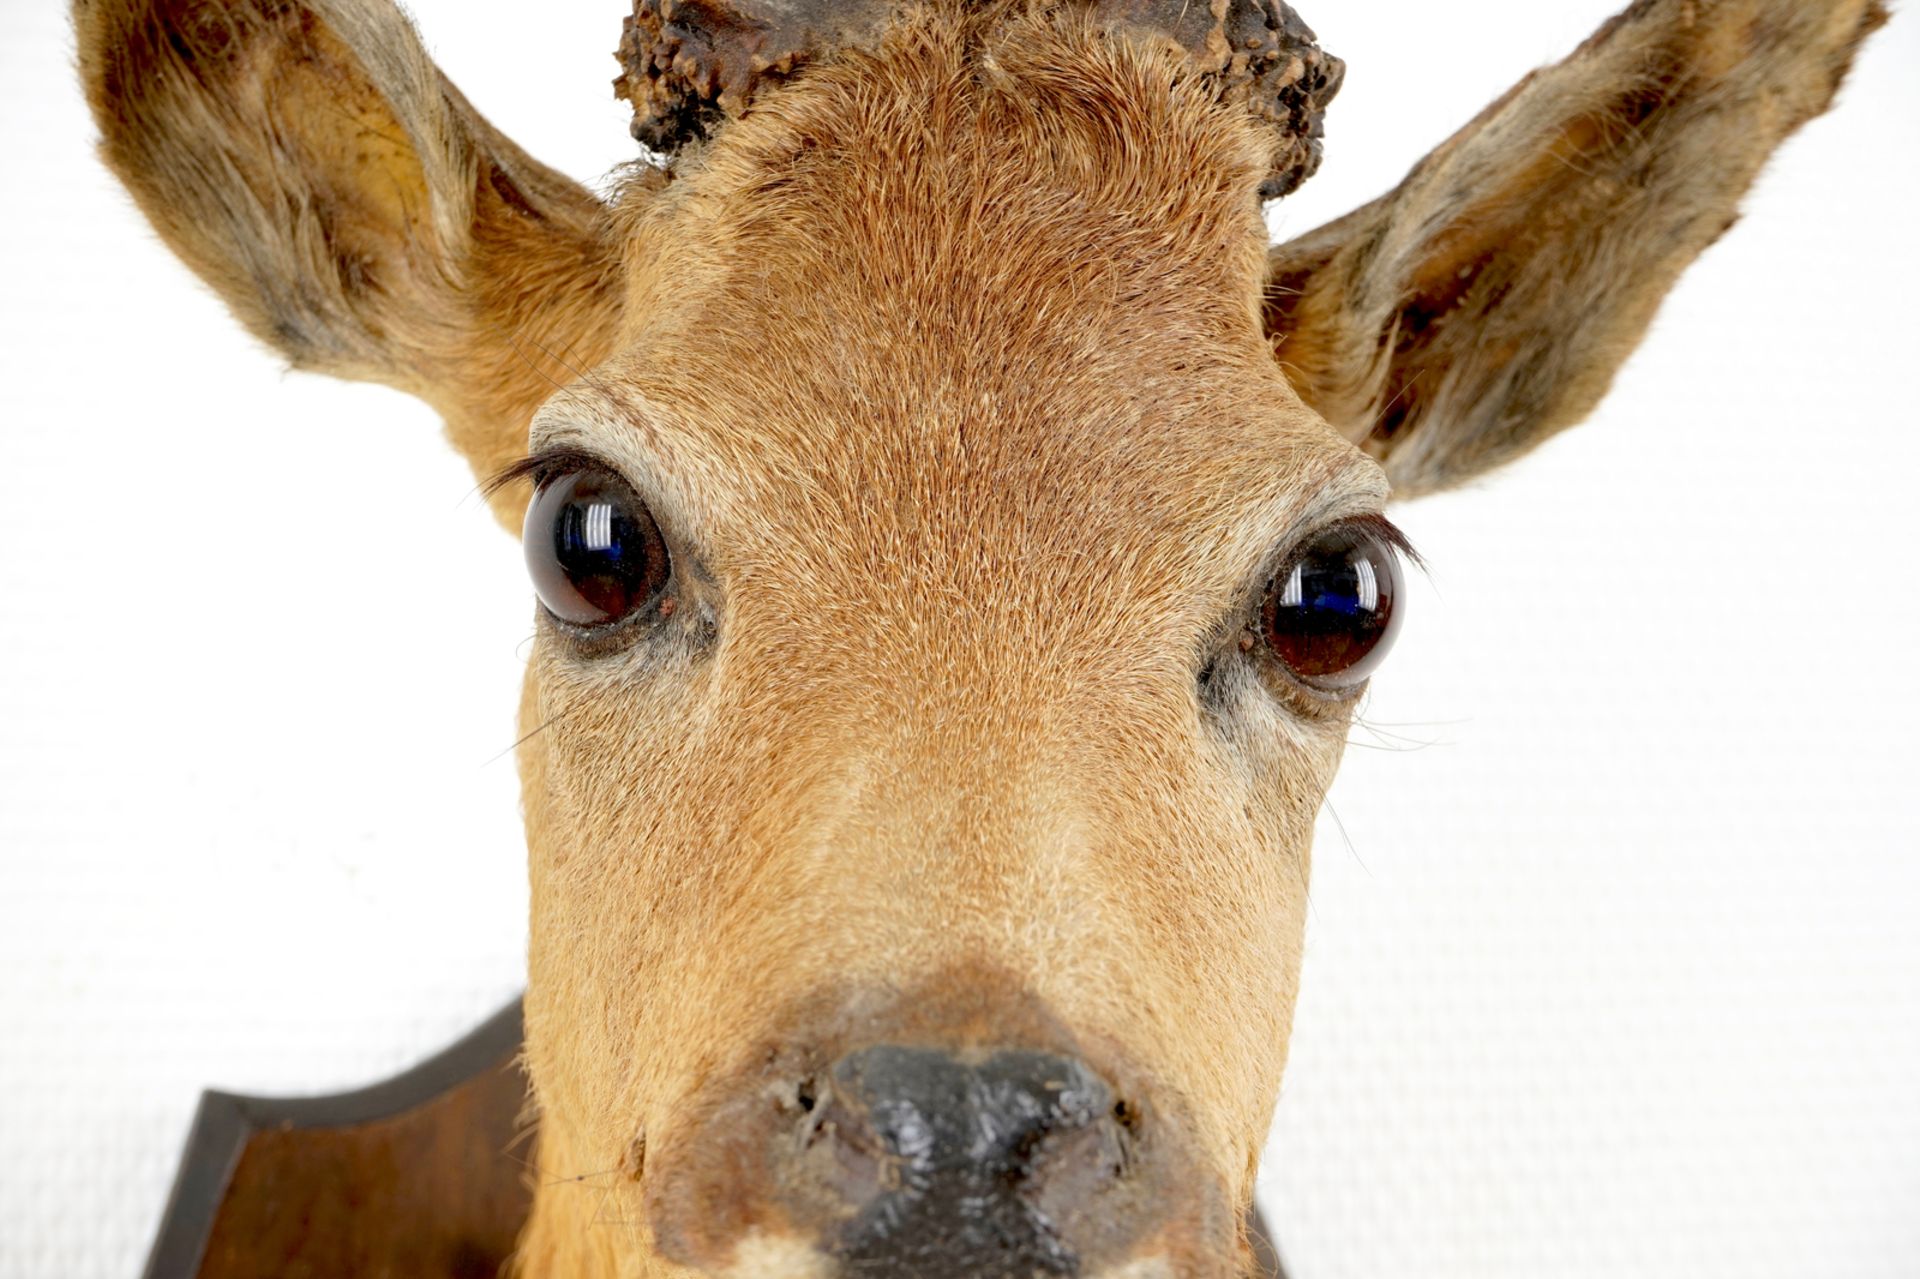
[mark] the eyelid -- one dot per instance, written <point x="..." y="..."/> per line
<point x="665" y="505"/>
<point x="1373" y="522"/>
<point x="544" y="464"/>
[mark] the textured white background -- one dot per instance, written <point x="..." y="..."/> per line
<point x="1613" y="971"/>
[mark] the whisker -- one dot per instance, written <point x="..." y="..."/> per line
<point x="515" y="343"/>
<point x="518" y="344"/>
<point x="561" y="360"/>
<point x="548" y="1178"/>
<point x="600" y="1217"/>
<point x="526" y="737"/>
<point x="1385" y="741"/>
<point x="1346" y="838"/>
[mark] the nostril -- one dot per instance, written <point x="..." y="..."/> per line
<point x="819" y="1120"/>
<point x="1128" y="1120"/>
<point x="634" y="1162"/>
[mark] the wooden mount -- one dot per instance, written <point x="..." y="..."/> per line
<point x="412" y="1178"/>
<point x="425" y="1176"/>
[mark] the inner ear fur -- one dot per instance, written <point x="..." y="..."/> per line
<point x="1486" y="302"/>
<point x="310" y="162"/>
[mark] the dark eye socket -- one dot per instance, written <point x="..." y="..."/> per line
<point x="594" y="552"/>
<point x="1331" y="613"/>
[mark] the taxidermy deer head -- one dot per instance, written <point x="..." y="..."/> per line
<point x="959" y="538"/>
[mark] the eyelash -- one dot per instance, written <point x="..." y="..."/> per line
<point x="543" y="467"/>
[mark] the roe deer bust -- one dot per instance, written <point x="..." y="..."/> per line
<point x="960" y="539"/>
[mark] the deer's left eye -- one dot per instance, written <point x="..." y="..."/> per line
<point x="593" y="550"/>
<point x="1331" y="613"/>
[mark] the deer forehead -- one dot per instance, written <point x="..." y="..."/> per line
<point x="948" y="307"/>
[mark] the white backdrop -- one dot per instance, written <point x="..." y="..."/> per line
<point x="1613" y="963"/>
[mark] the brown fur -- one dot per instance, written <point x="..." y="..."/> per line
<point x="1487" y="301"/>
<point x="312" y="164"/>
<point x="947" y="372"/>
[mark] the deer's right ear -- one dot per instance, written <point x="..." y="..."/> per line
<point x="310" y="162"/>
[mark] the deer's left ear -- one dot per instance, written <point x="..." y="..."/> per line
<point x="310" y="162"/>
<point x="1486" y="302"/>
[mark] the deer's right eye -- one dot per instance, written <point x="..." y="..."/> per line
<point x="595" y="554"/>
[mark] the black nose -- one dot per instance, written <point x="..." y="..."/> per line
<point x="956" y="1168"/>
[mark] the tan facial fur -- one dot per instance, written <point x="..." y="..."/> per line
<point x="948" y="370"/>
<point x="931" y="702"/>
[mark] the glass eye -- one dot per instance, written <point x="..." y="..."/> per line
<point x="1331" y="614"/>
<point x="594" y="552"/>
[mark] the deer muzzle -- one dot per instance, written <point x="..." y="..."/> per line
<point x="939" y="1161"/>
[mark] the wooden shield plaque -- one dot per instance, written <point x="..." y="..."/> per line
<point x="425" y="1176"/>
